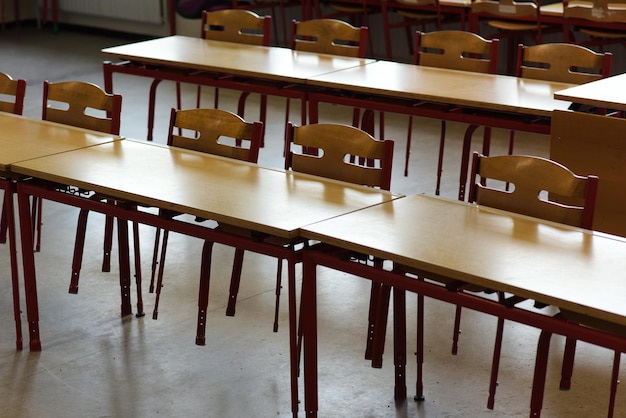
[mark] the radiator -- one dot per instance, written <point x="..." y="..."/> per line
<point x="144" y="11"/>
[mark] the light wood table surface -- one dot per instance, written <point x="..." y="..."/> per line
<point x="271" y="71"/>
<point x="23" y="138"/>
<point x="229" y="191"/>
<point x="573" y="269"/>
<point x="497" y="101"/>
<point x="267" y="63"/>
<point x="226" y="190"/>
<point x="604" y="93"/>
<point x="491" y="92"/>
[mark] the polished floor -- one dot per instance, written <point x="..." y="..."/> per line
<point x="96" y="364"/>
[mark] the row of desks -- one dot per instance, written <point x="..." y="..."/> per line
<point x="290" y="204"/>
<point x="477" y="99"/>
<point x="578" y="270"/>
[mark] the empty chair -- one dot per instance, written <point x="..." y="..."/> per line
<point x="540" y="188"/>
<point x="602" y="22"/>
<point x="348" y="154"/>
<point x="12" y="94"/>
<point x="543" y="189"/>
<point x="335" y="37"/>
<point x="560" y="62"/>
<point x="12" y="89"/>
<point x="510" y="19"/>
<point x="454" y="50"/>
<point x="272" y="5"/>
<point x="413" y="13"/>
<point x="239" y="26"/>
<point x="84" y="105"/>
<point x="212" y="131"/>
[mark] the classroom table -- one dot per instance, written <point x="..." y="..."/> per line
<point x="497" y="101"/>
<point x="232" y="192"/>
<point x="23" y="139"/>
<point x="273" y="71"/>
<point x="573" y="269"/>
<point x="607" y="93"/>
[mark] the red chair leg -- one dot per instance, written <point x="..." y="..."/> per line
<point x="380" y="326"/>
<point x="279" y="274"/>
<point x="79" y="244"/>
<point x="39" y="224"/>
<point x="203" y="293"/>
<point x="3" y="223"/>
<point x="614" y="383"/>
<point x="399" y="340"/>
<point x="457" y="330"/>
<point x="419" y="352"/>
<point x="568" y="364"/>
<point x="374" y="300"/>
<point x="155" y="259"/>
<point x="539" y="378"/>
<point x="495" y="364"/>
<point x="442" y="143"/>
<point x="235" y="279"/>
<point x="107" y="244"/>
<point x="159" y="284"/>
<point x="138" y="276"/>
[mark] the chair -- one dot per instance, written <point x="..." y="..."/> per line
<point x="12" y="94"/>
<point x="356" y="12"/>
<point x="603" y="21"/>
<point x="454" y="50"/>
<point x="254" y="5"/>
<point x="560" y="62"/>
<point x="413" y="13"/>
<point x="349" y="154"/>
<point x="239" y="26"/>
<point x="510" y="19"/>
<point x="542" y="189"/>
<point x="15" y="89"/>
<point x="212" y="131"/>
<point x="335" y="37"/>
<point x="84" y="105"/>
<point x="12" y="88"/>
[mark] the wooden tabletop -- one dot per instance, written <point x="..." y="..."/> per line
<point x="271" y="63"/>
<point x="606" y="93"/>
<point x="222" y="189"/>
<point x="482" y="91"/>
<point x="22" y="139"/>
<point x="582" y="271"/>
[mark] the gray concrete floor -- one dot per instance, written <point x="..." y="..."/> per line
<point x="96" y="364"/>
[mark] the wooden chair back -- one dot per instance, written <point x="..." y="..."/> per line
<point x="15" y="90"/>
<point x="217" y="132"/>
<point x="79" y="104"/>
<point x="456" y="50"/>
<point x="329" y="36"/>
<point x="506" y="9"/>
<point x="562" y="62"/>
<point x="345" y="153"/>
<point x="595" y="10"/>
<point x="542" y="188"/>
<point x="237" y="25"/>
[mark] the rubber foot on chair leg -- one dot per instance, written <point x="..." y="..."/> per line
<point x="565" y="385"/>
<point x="419" y="398"/>
<point x="200" y="341"/>
<point x="140" y="314"/>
